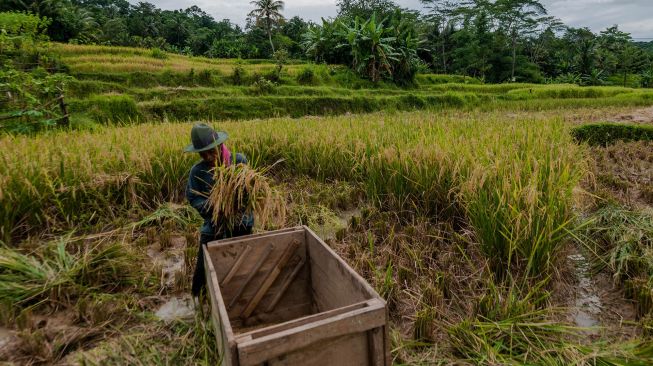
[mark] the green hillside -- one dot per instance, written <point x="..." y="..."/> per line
<point x="120" y="84"/>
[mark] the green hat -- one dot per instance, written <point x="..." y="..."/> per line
<point x="205" y="138"/>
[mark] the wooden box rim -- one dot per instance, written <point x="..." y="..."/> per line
<point x="293" y="326"/>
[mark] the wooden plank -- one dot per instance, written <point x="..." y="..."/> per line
<point x="258" y="333"/>
<point x="376" y="346"/>
<point x="339" y="351"/>
<point x="254" y="271"/>
<point x="289" y="312"/>
<point x="300" y="292"/>
<point x="295" y="303"/>
<point x="224" y="257"/>
<point x="285" y="284"/>
<point x="323" y="249"/>
<point x="234" y="268"/>
<point x="267" y="347"/>
<point x="248" y="239"/>
<point x="386" y="339"/>
<point x="331" y="284"/>
<point x="223" y="333"/>
<point x="270" y="277"/>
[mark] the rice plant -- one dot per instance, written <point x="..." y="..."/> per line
<point x="241" y="190"/>
<point x="620" y="240"/>
<point x="510" y="179"/>
<point x="58" y="273"/>
<point x="513" y="327"/>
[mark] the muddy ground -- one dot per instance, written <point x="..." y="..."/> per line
<point x="638" y="116"/>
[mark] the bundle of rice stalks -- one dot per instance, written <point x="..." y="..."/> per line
<point x="240" y="190"/>
<point x="55" y="275"/>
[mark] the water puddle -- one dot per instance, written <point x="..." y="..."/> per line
<point x="588" y="304"/>
<point x="177" y="308"/>
<point x="345" y="216"/>
<point x="329" y="230"/>
<point x="170" y="264"/>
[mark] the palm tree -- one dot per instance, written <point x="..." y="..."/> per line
<point x="269" y="13"/>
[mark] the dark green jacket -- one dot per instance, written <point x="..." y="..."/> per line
<point x="198" y="189"/>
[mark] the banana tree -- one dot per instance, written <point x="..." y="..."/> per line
<point x="407" y="43"/>
<point x="370" y="46"/>
<point x="319" y="42"/>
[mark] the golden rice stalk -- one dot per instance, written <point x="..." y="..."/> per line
<point x="241" y="190"/>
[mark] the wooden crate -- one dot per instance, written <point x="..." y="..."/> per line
<point x="285" y="298"/>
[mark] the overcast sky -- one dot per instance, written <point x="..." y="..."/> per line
<point x="634" y="16"/>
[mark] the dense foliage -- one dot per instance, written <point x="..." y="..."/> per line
<point x="31" y="82"/>
<point x="188" y="31"/>
<point x="495" y="40"/>
<point x="375" y="49"/>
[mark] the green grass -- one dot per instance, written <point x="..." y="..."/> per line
<point x="604" y="134"/>
<point x="158" y="344"/>
<point x="179" y="87"/>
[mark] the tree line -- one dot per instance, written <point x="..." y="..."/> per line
<point x="493" y="40"/>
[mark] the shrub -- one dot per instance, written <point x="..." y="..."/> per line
<point x="426" y="79"/>
<point x="306" y="76"/>
<point x="31" y="101"/>
<point x="263" y="86"/>
<point x="205" y="77"/>
<point x="238" y="76"/>
<point x="605" y="134"/>
<point x="646" y="79"/>
<point x="158" y="54"/>
<point x="108" y="108"/>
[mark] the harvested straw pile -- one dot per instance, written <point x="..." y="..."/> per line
<point x="241" y="190"/>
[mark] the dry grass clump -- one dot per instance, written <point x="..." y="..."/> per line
<point x="241" y="190"/>
<point x="620" y="240"/>
<point x="180" y="343"/>
<point x="425" y="271"/>
<point x="58" y="273"/>
<point x="623" y="170"/>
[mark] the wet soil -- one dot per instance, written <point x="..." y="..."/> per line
<point x="176" y="308"/>
<point x="638" y="116"/>
<point x="597" y="304"/>
<point x="329" y="231"/>
<point x="170" y="259"/>
<point x="587" y="305"/>
<point x="6" y="337"/>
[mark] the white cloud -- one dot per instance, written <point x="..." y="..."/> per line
<point x="633" y="16"/>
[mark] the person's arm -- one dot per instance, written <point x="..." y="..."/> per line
<point x="241" y="159"/>
<point x="196" y="199"/>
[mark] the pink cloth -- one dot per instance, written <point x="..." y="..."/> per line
<point x="225" y="154"/>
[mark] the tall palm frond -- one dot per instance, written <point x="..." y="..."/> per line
<point x="268" y="13"/>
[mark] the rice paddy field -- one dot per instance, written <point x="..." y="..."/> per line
<point x="495" y="235"/>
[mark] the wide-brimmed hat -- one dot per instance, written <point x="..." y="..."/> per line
<point x="204" y="138"/>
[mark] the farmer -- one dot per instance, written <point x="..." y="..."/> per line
<point x="210" y="145"/>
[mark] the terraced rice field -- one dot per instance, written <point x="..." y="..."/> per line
<point x="494" y="236"/>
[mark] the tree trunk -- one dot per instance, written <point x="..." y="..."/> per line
<point x="514" y="57"/>
<point x="444" y="57"/>
<point x="267" y="21"/>
<point x="625" y="76"/>
<point x="64" y="110"/>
